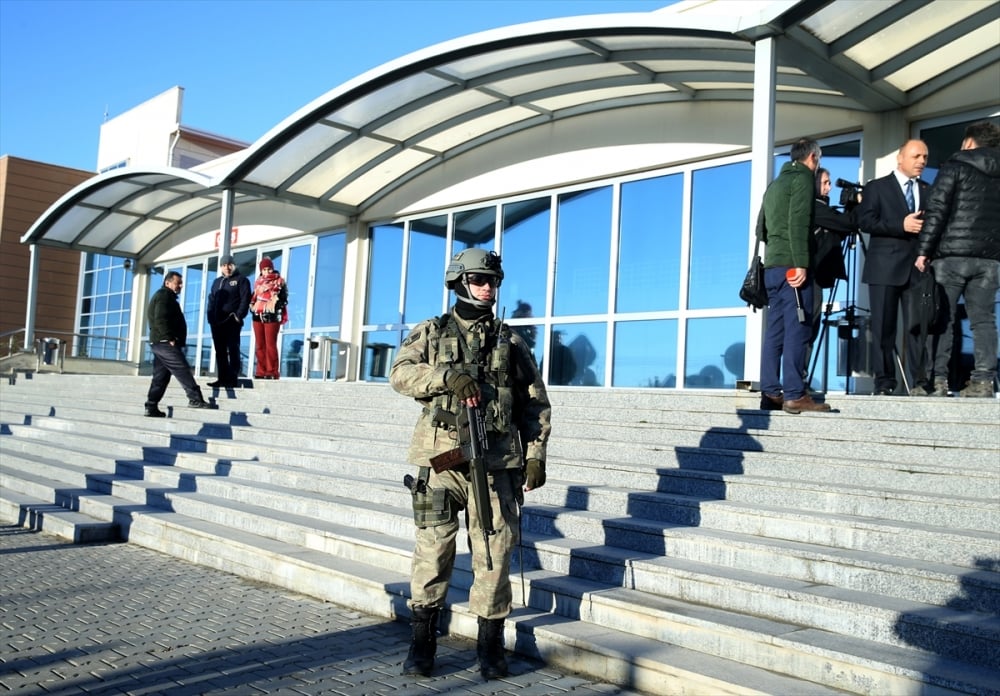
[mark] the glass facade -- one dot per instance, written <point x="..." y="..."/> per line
<point x="624" y="283"/>
<point x="608" y="284"/>
<point x="105" y="309"/>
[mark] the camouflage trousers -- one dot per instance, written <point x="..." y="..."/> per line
<point x="434" y="553"/>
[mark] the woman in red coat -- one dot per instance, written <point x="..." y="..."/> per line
<point x="269" y="309"/>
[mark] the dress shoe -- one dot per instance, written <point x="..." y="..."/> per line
<point x="154" y="412"/>
<point x="216" y="384"/>
<point x="804" y="404"/>
<point x="769" y="402"/>
<point x="199" y="403"/>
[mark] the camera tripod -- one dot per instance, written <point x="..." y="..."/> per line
<point x="847" y="325"/>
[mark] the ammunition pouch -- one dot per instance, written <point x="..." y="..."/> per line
<point x="432" y="507"/>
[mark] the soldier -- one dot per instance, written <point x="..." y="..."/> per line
<point x="469" y="358"/>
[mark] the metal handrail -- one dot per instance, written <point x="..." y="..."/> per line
<point x="10" y="334"/>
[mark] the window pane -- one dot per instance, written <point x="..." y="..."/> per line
<point x="583" y="246"/>
<point x="328" y="293"/>
<point x="194" y="280"/>
<point x="531" y="333"/>
<point x="386" y="265"/>
<point x="525" y="253"/>
<point x="475" y="228"/>
<point x="297" y="277"/>
<point x="378" y="350"/>
<point x="650" y="244"/>
<point x="425" y="269"/>
<point x="720" y="222"/>
<point x="577" y="355"/>
<point x="292" y="353"/>
<point x="645" y="354"/>
<point x="715" y="349"/>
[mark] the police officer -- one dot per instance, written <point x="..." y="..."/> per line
<point x="468" y="357"/>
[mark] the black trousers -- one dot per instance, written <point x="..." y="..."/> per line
<point x="169" y="360"/>
<point x="888" y="303"/>
<point x="226" y="338"/>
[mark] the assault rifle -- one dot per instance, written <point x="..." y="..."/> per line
<point x="470" y="424"/>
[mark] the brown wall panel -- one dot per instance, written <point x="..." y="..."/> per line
<point x="27" y="190"/>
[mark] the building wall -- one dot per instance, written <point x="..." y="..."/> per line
<point x="142" y="135"/>
<point x="27" y="189"/>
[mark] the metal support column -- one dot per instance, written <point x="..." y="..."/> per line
<point x="761" y="173"/>
<point x="32" y="305"/>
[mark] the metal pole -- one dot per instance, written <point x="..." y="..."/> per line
<point x="30" y="310"/>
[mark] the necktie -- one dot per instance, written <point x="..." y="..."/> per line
<point x="910" y="203"/>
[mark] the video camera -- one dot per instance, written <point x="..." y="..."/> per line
<point x="850" y="193"/>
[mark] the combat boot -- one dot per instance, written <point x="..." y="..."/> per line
<point x="940" y="387"/>
<point x="489" y="648"/>
<point x="423" y="645"/>
<point x="978" y="388"/>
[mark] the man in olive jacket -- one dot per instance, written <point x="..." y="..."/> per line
<point x="787" y="230"/>
<point x="961" y="233"/>
<point x="167" y="336"/>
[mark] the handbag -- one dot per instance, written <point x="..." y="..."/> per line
<point x="928" y="305"/>
<point x="753" y="291"/>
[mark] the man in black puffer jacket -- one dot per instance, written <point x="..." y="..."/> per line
<point x="961" y="233"/>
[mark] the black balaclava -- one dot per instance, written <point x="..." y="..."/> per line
<point x="468" y="308"/>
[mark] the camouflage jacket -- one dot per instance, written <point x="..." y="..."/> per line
<point x="517" y="406"/>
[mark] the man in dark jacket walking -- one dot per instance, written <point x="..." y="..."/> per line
<point x="961" y="234"/>
<point x="167" y="335"/>
<point x="228" y="304"/>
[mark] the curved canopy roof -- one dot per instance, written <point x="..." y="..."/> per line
<point x="395" y="134"/>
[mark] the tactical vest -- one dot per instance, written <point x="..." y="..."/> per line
<point x="486" y="357"/>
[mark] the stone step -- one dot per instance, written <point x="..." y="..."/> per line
<point x="685" y="480"/>
<point x="947" y="511"/>
<point x="328" y="479"/>
<point x="318" y="495"/>
<point x="317" y="572"/>
<point x="643" y="444"/>
<point x="616" y="511"/>
<point x="34" y="513"/>
<point x="574" y="404"/>
<point x="684" y="522"/>
<point x="247" y="506"/>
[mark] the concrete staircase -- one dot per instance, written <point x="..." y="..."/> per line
<point x="685" y="543"/>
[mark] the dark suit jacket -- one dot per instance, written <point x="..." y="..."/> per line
<point x="891" y="251"/>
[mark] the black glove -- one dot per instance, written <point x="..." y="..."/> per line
<point x="461" y="385"/>
<point x="534" y="474"/>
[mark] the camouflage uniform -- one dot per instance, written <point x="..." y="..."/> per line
<point x="517" y="411"/>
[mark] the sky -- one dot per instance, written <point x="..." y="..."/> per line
<point x="245" y="65"/>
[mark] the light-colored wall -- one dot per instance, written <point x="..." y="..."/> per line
<point x="142" y="135"/>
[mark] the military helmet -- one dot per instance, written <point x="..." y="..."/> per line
<point x="473" y="261"/>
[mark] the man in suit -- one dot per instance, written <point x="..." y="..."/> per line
<point x="891" y="214"/>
